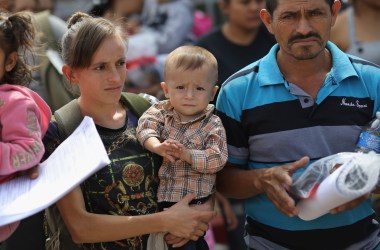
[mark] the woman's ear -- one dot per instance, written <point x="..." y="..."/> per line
<point x="68" y="72"/>
<point x="11" y="61"/>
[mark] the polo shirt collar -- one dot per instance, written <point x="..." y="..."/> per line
<point x="270" y="74"/>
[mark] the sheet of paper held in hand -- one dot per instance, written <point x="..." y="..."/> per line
<point x="78" y="157"/>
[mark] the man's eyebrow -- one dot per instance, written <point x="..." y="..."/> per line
<point x="288" y="12"/>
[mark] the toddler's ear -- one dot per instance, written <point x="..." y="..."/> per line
<point x="165" y="89"/>
<point x="216" y="87"/>
<point x="11" y="61"/>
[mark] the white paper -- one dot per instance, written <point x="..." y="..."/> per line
<point x="339" y="187"/>
<point x="76" y="158"/>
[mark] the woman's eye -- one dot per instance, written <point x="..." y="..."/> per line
<point x="101" y="67"/>
<point x="121" y="63"/>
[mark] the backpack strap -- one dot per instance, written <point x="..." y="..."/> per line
<point x="135" y="102"/>
<point x="68" y="118"/>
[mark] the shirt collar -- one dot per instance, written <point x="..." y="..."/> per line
<point x="209" y="111"/>
<point x="270" y="74"/>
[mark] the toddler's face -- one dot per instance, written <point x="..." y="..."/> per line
<point x="190" y="91"/>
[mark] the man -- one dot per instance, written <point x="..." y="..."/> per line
<point x="305" y="98"/>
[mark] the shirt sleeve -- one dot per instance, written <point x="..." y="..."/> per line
<point x="151" y="123"/>
<point x="21" y="144"/>
<point x="214" y="157"/>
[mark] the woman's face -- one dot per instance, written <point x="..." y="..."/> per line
<point x="243" y="13"/>
<point x="104" y="79"/>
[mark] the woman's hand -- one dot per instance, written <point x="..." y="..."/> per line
<point x="186" y="222"/>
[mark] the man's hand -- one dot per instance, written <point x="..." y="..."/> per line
<point x="275" y="182"/>
<point x="350" y="205"/>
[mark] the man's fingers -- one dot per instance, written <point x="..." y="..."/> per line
<point x="298" y="164"/>
<point x="350" y="205"/>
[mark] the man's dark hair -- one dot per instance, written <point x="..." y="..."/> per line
<point x="271" y="5"/>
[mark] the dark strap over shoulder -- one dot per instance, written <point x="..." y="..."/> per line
<point x="69" y="116"/>
<point x="135" y="102"/>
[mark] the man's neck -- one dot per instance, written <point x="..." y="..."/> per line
<point x="309" y="75"/>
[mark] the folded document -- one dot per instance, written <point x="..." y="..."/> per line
<point x="76" y="158"/>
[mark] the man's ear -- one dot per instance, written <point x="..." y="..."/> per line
<point x="11" y="61"/>
<point x="335" y="11"/>
<point x="165" y="89"/>
<point x="266" y="18"/>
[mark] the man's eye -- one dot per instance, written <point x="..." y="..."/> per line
<point x="287" y="17"/>
<point x="179" y="87"/>
<point x="316" y="13"/>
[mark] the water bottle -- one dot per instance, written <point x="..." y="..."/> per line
<point x="369" y="139"/>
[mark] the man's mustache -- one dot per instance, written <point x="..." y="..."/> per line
<point x="301" y="36"/>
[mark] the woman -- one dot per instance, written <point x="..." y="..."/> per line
<point x="100" y="214"/>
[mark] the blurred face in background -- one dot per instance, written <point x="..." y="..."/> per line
<point x="245" y="14"/>
<point x="373" y="3"/>
<point x="127" y="7"/>
<point x="31" y="5"/>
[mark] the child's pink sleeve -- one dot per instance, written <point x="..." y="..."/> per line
<point x="21" y="144"/>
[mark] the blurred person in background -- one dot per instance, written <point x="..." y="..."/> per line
<point x="241" y="39"/>
<point x="155" y="28"/>
<point x="357" y="30"/>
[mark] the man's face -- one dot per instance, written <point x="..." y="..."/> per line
<point x="302" y="27"/>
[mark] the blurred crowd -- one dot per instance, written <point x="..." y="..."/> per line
<point x="155" y="28"/>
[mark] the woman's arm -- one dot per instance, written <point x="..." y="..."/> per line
<point x="86" y="227"/>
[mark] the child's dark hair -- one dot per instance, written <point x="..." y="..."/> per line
<point x="17" y="34"/>
<point x="83" y="37"/>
